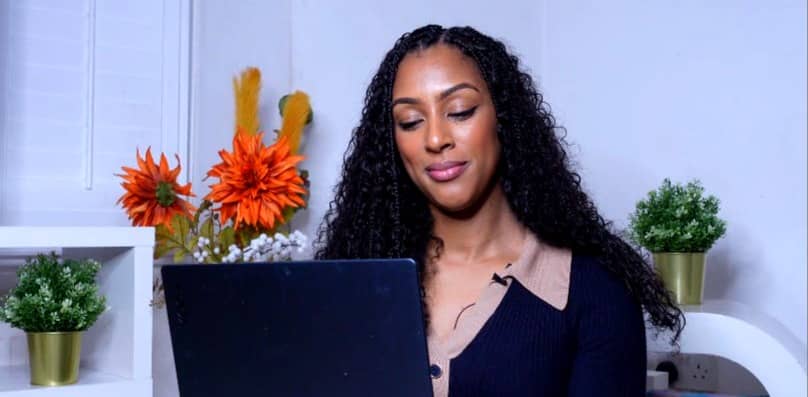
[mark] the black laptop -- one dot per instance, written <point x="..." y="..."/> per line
<point x="316" y="328"/>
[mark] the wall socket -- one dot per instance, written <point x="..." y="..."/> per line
<point x="697" y="372"/>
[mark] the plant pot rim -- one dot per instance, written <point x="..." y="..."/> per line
<point x="54" y="332"/>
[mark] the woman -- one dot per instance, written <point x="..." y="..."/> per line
<point x="457" y="163"/>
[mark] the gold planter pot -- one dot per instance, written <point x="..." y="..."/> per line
<point x="683" y="275"/>
<point x="54" y="357"/>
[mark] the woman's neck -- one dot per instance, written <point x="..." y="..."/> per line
<point x="489" y="230"/>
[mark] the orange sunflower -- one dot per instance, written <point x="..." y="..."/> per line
<point x="256" y="182"/>
<point x="152" y="192"/>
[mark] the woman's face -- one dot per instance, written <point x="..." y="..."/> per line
<point x="445" y="127"/>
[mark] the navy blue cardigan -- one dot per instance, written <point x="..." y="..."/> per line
<point x="594" y="347"/>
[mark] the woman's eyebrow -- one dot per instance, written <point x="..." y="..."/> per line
<point x="442" y="95"/>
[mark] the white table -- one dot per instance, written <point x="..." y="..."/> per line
<point x="752" y="339"/>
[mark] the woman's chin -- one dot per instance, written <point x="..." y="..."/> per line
<point x="453" y="206"/>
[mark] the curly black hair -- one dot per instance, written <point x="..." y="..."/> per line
<point x="378" y="212"/>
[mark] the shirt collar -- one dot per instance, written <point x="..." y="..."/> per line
<point x="544" y="270"/>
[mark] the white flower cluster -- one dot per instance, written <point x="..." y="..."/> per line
<point x="268" y="249"/>
<point x="203" y="252"/>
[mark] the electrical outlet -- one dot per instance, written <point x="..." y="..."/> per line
<point x="698" y="372"/>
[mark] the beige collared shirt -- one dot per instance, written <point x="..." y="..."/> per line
<point x="543" y="269"/>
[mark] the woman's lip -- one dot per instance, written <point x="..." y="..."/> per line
<point x="446" y="171"/>
<point x="443" y="165"/>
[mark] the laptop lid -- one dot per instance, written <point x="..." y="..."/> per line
<point x="312" y="328"/>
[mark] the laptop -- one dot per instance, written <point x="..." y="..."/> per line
<point x="307" y="328"/>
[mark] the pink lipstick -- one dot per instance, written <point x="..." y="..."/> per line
<point x="446" y="171"/>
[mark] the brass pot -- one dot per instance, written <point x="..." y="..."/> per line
<point x="54" y="357"/>
<point x="683" y="275"/>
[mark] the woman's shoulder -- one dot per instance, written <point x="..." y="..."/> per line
<point x="593" y="285"/>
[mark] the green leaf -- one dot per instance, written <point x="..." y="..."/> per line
<point x="179" y="255"/>
<point x="53" y="295"/>
<point x="161" y="248"/>
<point x="282" y="104"/>
<point x="227" y="237"/>
<point x="677" y="218"/>
<point x="206" y="230"/>
<point x="288" y="213"/>
<point x="246" y="234"/>
<point x="176" y="239"/>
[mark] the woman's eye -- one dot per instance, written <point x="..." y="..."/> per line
<point x="409" y="125"/>
<point x="460" y="116"/>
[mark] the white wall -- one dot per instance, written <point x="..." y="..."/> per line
<point x="228" y="37"/>
<point x="691" y="89"/>
<point x="334" y="60"/>
<point x="714" y="91"/>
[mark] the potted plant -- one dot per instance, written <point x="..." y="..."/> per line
<point x="54" y="302"/>
<point x="678" y="224"/>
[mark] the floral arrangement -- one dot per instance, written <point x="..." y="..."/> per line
<point x="54" y="296"/>
<point x="677" y="218"/>
<point x="257" y="190"/>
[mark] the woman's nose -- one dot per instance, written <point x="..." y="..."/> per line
<point x="438" y="138"/>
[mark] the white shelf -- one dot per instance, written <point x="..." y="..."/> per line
<point x="752" y="339"/>
<point x="116" y="356"/>
<point x="75" y="237"/>
<point x="14" y="382"/>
